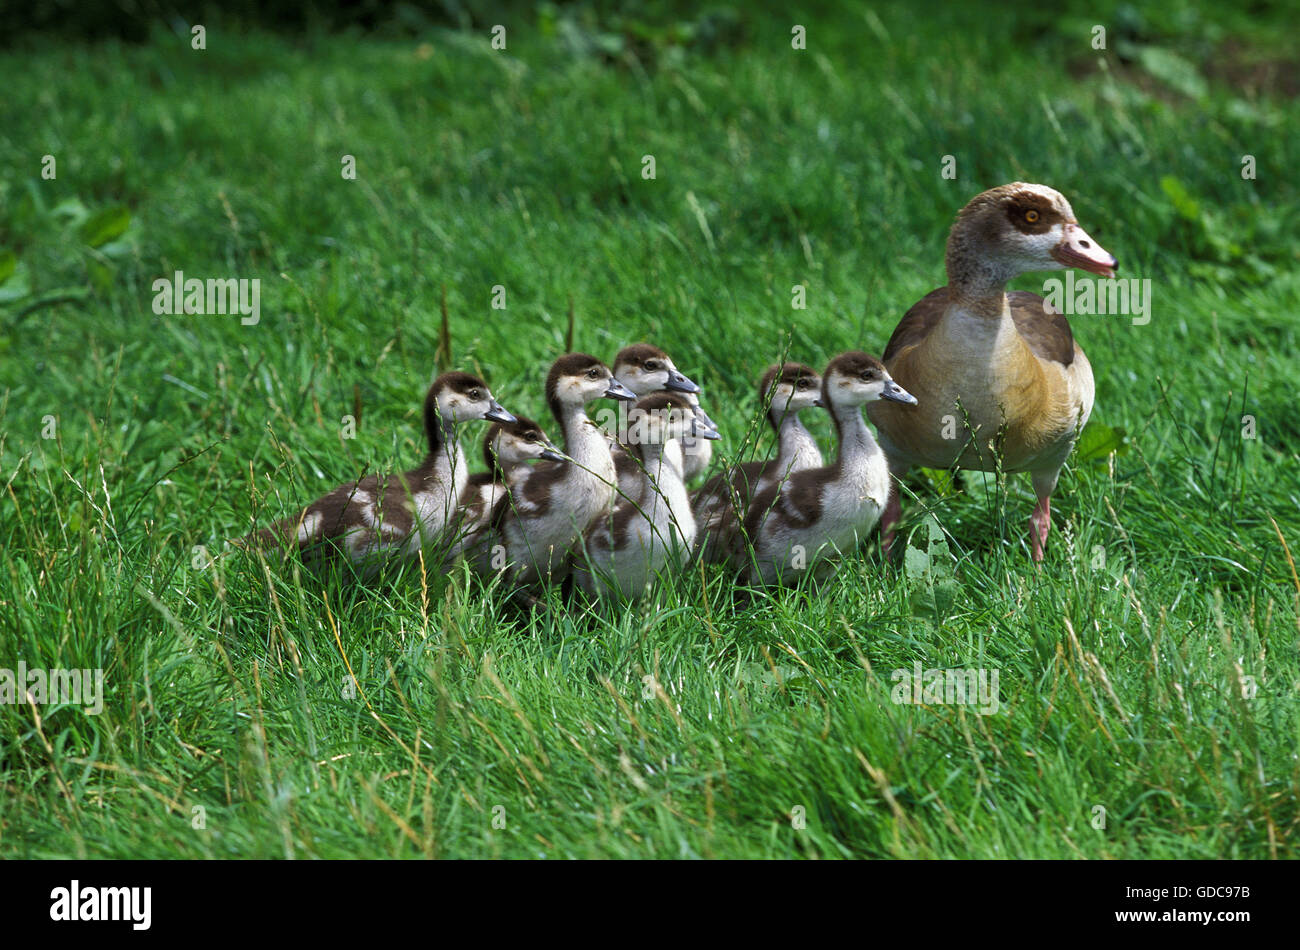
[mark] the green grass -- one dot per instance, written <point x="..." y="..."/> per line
<point x="476" y="734"/>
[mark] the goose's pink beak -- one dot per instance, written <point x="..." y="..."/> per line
<point x="1081" y="251"/>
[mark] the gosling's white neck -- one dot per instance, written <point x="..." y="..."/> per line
<point x="795" y="444"/>
<point x="436" y="486"/>
<point x="584" y="443"/>
<point x="668" y="506"/>
<point x="857" y="444"/>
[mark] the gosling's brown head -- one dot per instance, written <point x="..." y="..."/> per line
<point x="854" y="378"/>
<point x="576" y="379"/>
<point x="661" y="417"/>
<point x="789" y="387"/>
<point x="460" y="397"/>
<point x="512" y="443"/>
<point x="646" y="369"/>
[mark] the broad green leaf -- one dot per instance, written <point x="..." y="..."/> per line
<point x="1173" y="70"/>
<point x="916" y="562"/>
<point x="102" y="226"/>
<point x="71" y="210"/>
<point x="1098" y="442"/>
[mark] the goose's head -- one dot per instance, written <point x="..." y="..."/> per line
<point x="853" y="379"/>
<point x="577" y="379"/>
<point x="1016" y="228"/>
<point x="461" y="397"/>
<point x="513" y="443"/>
<point x="790" y="387"/>
<point x="661" y="417"/>
<point x="646" y="369"/>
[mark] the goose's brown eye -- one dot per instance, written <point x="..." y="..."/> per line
<point x="802" y="384"/>
<point x="868" y="376"/>
<point x="1031" y="216"/>
<point x="475" y="395"/>
<point x="593" y="374"/>
<point x="651" y="366"/>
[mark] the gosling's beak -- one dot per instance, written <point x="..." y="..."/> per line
<point x="702" y="427"/>
<point x="1077" y="249"/>
<point x="617" y="390"/>
<point x="497" y="413"/>
<point x="896" y="393"/>
<point x="679" y="383"/>
<point x="552" y="454"/>
<point x="702" y="416"/>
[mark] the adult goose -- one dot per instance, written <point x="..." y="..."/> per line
<point x="996" y="375"/>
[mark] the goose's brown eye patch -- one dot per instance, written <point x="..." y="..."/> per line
<point x="1031" y="214"/>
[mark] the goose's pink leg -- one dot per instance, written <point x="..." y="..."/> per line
<point x="1040" y="523"/>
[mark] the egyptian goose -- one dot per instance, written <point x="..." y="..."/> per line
<point x="625" y="551"/>
<point x="1007" y="363"/>
<point x="384" y="517"/>
<point x="507" y="448"/>
<point x="785" y="391"/>
<point x="814" y="513"/>
<point x="643" y="369"/>
<point x="553" y="503"/>
<point x="697" y="449"/>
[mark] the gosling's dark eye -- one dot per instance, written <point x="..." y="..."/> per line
<point x="651" y="366"/>
<point x="868" y="376"/>
<point x="475" y="394"/>
<point x="593" y="374"/>
<point x="802" y="384"/>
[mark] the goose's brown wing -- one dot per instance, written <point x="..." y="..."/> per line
<point x="1043" y="328"/>
<point x="920" y="319"/>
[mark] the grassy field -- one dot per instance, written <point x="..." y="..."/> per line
<point x="1149" y="672"/>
